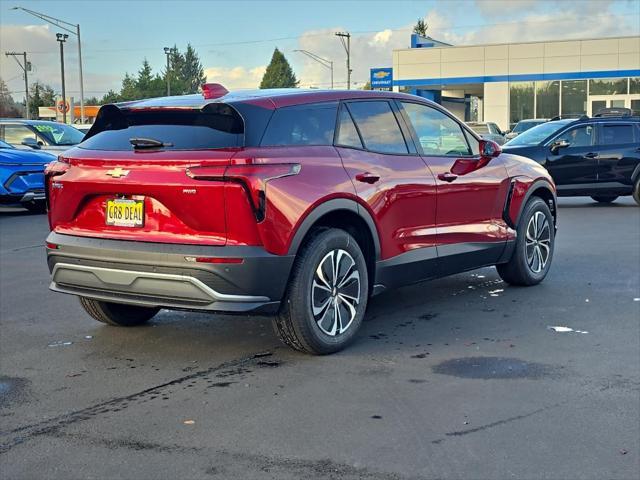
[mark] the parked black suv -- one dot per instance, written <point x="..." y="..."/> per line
<point x="598" y="157"/>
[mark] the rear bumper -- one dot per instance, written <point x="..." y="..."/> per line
<point x="159" y="275"/>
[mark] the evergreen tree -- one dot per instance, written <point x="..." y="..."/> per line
<point x="40" y="96"/>
<point x="421" y="27"/>
<point x="8" y="107"/>
<point x="279" y="73"/>
<point x="192" y="71"/>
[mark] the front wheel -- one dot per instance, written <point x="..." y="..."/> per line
<point x="535" y="243"/>
<point x="604" y="198"/>
<point x="327" y="294"/>
<point x="117" y="314"/>
<point x="636" y="191"/>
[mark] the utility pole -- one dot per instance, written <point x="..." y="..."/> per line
<point x="26" y="67"/>
<point x="347" y="47"/>
<point x="322" y="61"/>
<point x="64" y="26"/>
<point x="168" y="51"/>
<point x="62" y="37"/>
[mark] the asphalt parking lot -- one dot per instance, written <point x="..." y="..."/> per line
<point x="456" y="378"/>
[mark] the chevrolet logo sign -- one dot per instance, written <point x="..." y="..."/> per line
<point x="117" y="172"/>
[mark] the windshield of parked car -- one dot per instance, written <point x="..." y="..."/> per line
<point x="480" y="128"/>
<point x="537" y="134"/>
<point x="524" y="126"/>
<point x="59" y="134"/>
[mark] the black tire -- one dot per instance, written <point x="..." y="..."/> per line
<point x="636" y="191"/>
<point x="117" y="314"/>
<point x="523" y="269"/>
<point x="604" y="198"/>
<point x="295" y="324"/>
<point x="36" y="207"/>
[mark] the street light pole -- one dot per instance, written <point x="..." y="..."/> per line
<point x="62" y="37"/>
<point x="322" y="61"/>
<point x="167" y="52"/>
<point x="347" y="47"/>
<point x="64" y="26"/>
<point x="26" y="67"/>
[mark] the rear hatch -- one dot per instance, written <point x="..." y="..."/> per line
<point x="129" y="178"/>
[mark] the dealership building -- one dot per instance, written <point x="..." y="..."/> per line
<point x="505" y="83"/>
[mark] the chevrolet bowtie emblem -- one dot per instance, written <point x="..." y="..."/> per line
<point x="117" y="172"/>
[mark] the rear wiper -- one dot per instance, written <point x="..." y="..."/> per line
<point x="141" y="143"/>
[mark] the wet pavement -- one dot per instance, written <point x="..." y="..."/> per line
<point x="457" y="378"/>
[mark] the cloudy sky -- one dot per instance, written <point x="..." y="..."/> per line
<point x="235" y="39"/>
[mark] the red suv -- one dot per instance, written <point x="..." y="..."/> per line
<point x="301" y="204"/>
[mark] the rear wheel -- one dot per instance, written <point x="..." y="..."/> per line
<point x="636" y="191"/>
<point x="604" y="198"/>
<point x="535" y="242"/>
<point x="117" y="314"/>
<point x="327" y="294"/>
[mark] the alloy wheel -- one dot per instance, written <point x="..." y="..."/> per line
<point x="538" y="242"/>
<point x="335" y="292"/>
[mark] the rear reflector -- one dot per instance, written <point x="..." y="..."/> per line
<point x="214" y="259"/>
<point x="52" y="246"/>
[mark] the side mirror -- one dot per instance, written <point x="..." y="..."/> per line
<point x="31" y="142"/>
<point x="558" y="144"/>
<point x="489" y="149"/>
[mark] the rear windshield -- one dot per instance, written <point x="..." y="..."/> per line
<point x="524" y="126"/>
<point x="214" y="127"/>
<point x="479" y="128"/>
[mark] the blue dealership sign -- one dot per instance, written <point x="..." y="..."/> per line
<point x="381" y="78"/>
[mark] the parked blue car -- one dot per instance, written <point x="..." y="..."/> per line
<point x="22" y="177"/>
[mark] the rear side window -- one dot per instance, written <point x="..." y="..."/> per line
<point x="617" y="134"/>
<point x="215" y="126"/>
<point x="347" y="133"/>
<point x="312" y="124"/>
<point x="439" y="135"/>
<point x="378" y="126"/>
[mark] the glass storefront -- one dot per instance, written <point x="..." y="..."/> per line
<point x="608" y="86"/>
<point x="547" y="99"/>
<point x="574" y="97"/>
<point x="521" y="100"/>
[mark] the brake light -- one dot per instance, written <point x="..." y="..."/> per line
<point x="213" y="90"/>
<point x="252" y="176"/>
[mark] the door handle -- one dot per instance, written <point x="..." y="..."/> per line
<point x="590" y="155"/>
<point x="367" y="177"/>
<point x="447" y="176"/>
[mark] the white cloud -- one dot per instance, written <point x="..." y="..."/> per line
<point x="236" y="77"/>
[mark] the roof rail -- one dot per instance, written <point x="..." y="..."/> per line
<point x="614" y="112"/>
<point x="578" y="116"/>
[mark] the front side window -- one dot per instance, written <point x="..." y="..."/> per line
<point x="16" y="134"/>
<point x="302" y="125"/>
<point x="439" y="135"/>
<point x="347" y="133"/>
<point x="579" y="136"/>
<point x="617" y="134"/>
<point x="378" y="126"/>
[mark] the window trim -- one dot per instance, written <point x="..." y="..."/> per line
<point x="465" y="131"/>
<point x="390" y="102"/>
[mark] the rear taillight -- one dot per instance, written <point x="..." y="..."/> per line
<point x="253" y="177"/>
<point x="52" y="170"/>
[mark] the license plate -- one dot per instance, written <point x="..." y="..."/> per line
<point x="125" y="213"/>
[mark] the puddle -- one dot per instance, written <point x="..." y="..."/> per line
<point x="486" y="368"/>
